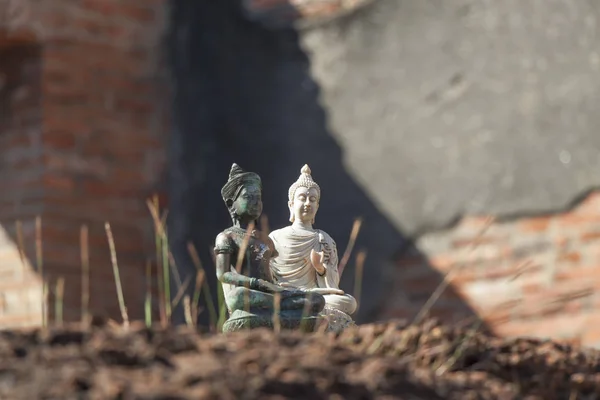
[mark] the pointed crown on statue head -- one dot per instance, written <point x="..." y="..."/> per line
<point x="305" y="180"/>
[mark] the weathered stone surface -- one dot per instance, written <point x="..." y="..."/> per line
<point x="467" y="106"/>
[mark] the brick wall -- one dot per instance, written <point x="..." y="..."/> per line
<point x="20" y="177"/>
<point x="536" y="276"/>
<point x="92" y="150"/>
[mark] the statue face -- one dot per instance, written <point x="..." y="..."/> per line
<point x="249" y="202"/>
<point x="305" y="204"/>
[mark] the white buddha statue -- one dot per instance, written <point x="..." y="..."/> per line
<point x="306" y="257"/>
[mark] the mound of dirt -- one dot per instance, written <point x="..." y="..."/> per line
<point x="382" y="361"/>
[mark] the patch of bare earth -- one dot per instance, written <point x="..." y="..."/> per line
<point x="383" y="361"/>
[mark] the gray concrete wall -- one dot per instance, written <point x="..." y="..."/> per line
<point x="461" y="106"/>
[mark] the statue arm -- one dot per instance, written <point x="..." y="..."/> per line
<point x="331" y="277"/>
<point x="272" y="247"/>
<point x="224" y="249"/>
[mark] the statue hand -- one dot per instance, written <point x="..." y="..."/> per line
<point x="269" y="287"/>
<point x="325" y="291"/>
<point x="327" y="253"/>
<point x="287" y="285"/>
<point x="317" y="259"/>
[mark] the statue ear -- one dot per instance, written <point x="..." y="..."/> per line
<point x="229" y="203"/>
<point x="290" y="206"/>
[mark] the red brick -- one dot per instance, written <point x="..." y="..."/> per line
<point x="574" y="220"/>
<point x="76" y="164"/>
<point x="554" y="301"/>
<point x="56" y="125"/>
<point x="590" y="237"/>
<point x="407" y="262"/>
<point x="58" y="182"/>
<point x="581" y="275"/>
<point x="443" y="262"/>
<point x="59" y="140"/>
<point x="591" y="205"/>
<point x="591" y="335"/>
<point x="478" y="241"/>
<point x="571" y="258"/>
<point x="107" y="189"/>
<point x="20" y="320"/>
<point x="119" y="9"/>
<point x="497" y="317"/>
<point x="535" y="225"/>
<point x="105" y="29"/>
<point x="564" y="325"/>
<point x="513" y="270"/>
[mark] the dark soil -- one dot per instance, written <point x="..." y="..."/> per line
<point x="385" y="361"/>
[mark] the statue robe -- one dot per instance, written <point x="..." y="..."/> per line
<point x="292" y="262"/>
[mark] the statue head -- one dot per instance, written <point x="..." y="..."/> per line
<point x="304" y="196"/>
<point x="242" y="194"/>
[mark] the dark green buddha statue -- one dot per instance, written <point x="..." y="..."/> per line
<point x="250" y="293"/>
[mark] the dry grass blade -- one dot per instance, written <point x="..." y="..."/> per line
<point x="113" y="259"/>
<point x="38" y="245"/>
<point x="351" y="242"/>
<point x="222" y="309"/>
<point x="85" y="274"/>
<point x="449" y="276"/>
<point x="21" y="246"/>
<point x="58" y="301"/>
<point x="247" y="298"/>
<point x="212" y="311"/>
<point x="181" y="291"/>
<point x="162" y="251"/>
<point x="45" y="304"/>
<point x="306" y="310"/>
<point x="467" y="339"/>
<point x="161" y="296"/>
<point x="40" y="263"/>
<point x="244" y="247"/>
<point x="166" y="265"/>
<point x="323" y="326"/>
<point x="188" y="311"/>
<point x="148" y="299"/>
<point x="527" y="265"/>
<point x="276" y="311"/>
<point x="358" y="276"/>
<point x="173" y="266"/>
<point x="434" y="296"/>
<point x="196" y="300"/>
<point x="264" y="225"/>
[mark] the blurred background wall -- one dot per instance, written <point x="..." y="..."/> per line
<point x="423" y="118"/>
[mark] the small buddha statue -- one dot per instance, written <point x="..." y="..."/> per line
<point x="250" y="293"/>
<point x="307" y="257"/>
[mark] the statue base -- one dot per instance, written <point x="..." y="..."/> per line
<point x="337" y="320"/>
<point x="243" y="320"/>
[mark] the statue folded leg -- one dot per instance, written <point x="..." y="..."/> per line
<point x="254" y="309"/>
<point x="344" y="303"/>
<point x="242" y="298"/>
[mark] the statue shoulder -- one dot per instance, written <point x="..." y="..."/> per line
<point x="278" y="233"/>
<point x="224" y="243"/>
<point x="327" y="237"/>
